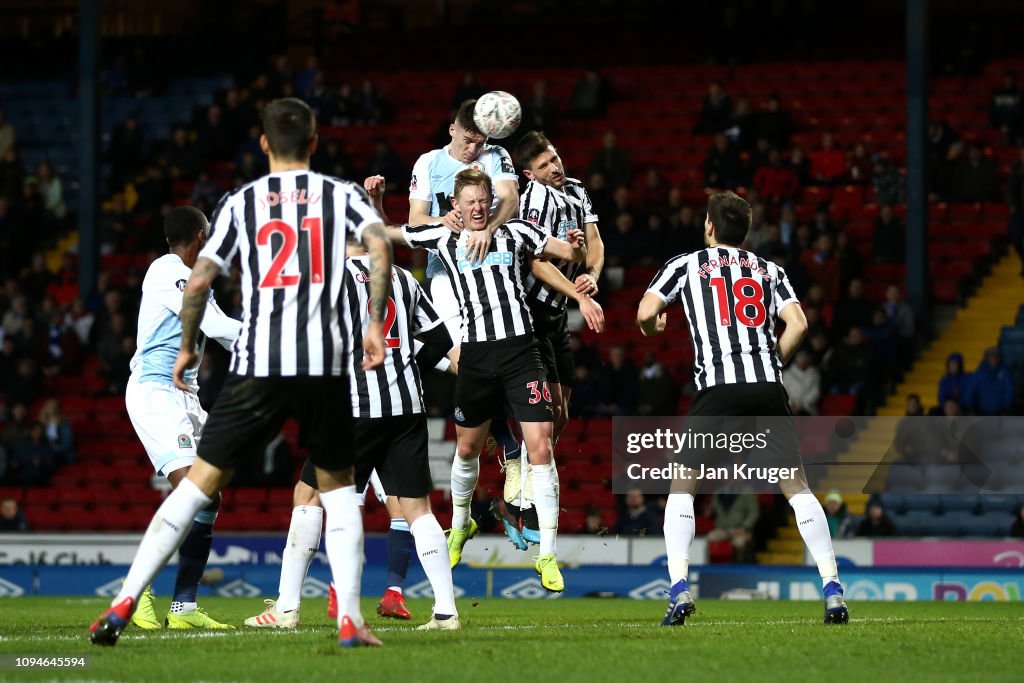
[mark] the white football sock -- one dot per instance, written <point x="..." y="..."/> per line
<point x="299" y="550"/>
<point x="680" y="527"/>
<point x="432" y="549"/>
<point x="464" y="477"/>
<point x="344" y="542"/>
<point x="545" y="492"/>
<point x="166" y="532"/>
<point x="810" y="520"/>
<point x="526" y="492"/>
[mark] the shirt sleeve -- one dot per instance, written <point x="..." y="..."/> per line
<point x="533" y="238"/>
<point x="419" y="184"/>
<point x="533" y="206"/>
<point x="427" y="236"/>
<point x="588" y="207"/>
<point x="218" y="326"/>
<point x="668" y="283"/>
<point x="784" y="294"/>
<point x="359" y="214"/>
<point x="502" y="167"/>
<point x="222" y="245"/>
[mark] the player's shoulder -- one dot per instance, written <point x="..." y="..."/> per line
<point x="340" y="185"/>
<point x="165" y="271"/>
<point x="497" y="150"/>
<point x="680" y="260"/>
<point x="575" y="184"/>
<point x="518" y="226"/>
<point x="428" y="157"/>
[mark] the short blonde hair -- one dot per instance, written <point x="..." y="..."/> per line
<point x="472" y="177"/>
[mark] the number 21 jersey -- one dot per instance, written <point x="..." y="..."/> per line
<point x="731" y="298"/>
<point x="289" y="231"/>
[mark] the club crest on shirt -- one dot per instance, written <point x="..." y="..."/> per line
<point x="412" y="184"/>
<point x="180" y="284"/>
<point x="533" y="216"/>
<point x="184" y="441"/>
<point x="476" y="166"/>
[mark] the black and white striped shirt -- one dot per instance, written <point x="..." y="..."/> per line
<point x="556" y="211"/>
<point x="492" y="295"/>
<point x="731" y="298"/>
<point x="289" y="231"/>
<point x="394" y="388"/>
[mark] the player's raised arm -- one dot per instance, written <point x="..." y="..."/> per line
<point x="586" y="283"/>
<point x="553" y="278"/>
<point x="375" y="239"/>
<point x="573" y="248"/>
<point x="375" y="186"/>
<point x="796" y="329"/>
<point x="193" y="307"/>
<point x="650" y="317"/>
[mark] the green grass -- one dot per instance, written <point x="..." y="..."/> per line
<point x="547" y="640"/>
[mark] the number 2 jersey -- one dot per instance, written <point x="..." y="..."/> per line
<point x="289" y="231"/>
<point x="394" y="388"/>
<point x="731" y="298"/>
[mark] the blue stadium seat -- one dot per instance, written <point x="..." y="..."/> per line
<point x="941" y="525"/>
<point x="891" y="502"/>
<point x="903" y="479"/>
<point x="921" y="503"/>
<point x="959" y="503"/>
<point x="1001" y="503"/>
<point x="910" y="523"/>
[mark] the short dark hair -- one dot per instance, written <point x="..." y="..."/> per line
<point x="290" y="126"/>
<point x="182" y="225"/>
<point x="730" y="214"/>
<point x="531" y="146"/>
<point x="464" y="117"/>
<point x="471" y="176"/>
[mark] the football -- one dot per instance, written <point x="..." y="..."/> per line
<point x="497" y="114"/>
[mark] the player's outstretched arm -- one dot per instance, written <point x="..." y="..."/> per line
<point x="573" y="248"/>
<point x="375" y="186"/>
<point x="796" y="329"/>
<point x="587" y="282"/>
<point x="650" y="316"/>
<point x="193" y="306"/>
<point x="218" y="326"/>
<point x="419" y="212"/>
<point x="375" y="239"/>
<point x="553" y="278"/>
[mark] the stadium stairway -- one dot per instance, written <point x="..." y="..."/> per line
<point x="975" y="328"/>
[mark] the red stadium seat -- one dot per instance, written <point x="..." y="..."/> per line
<point x="838" y="404"/>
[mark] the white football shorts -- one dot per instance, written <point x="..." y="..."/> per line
<point x="169" y="423"/>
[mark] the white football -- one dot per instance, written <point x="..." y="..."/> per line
<point x="497" y="114"/>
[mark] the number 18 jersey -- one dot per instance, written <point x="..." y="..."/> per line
<point x="731" y="298"/>
<point x="289" y="231"/>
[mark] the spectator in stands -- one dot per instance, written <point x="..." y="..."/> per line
<point x="469" y="89"/>
<point x="652" y="193"/>
<point x="280" y="75"/>
<point x="1017" y="528"/>
<point x="776" y="182"/>
<point x="8" y="138"/>
<point x="51" y="191"/>
<point x="17" y="425"/>
<point x="840" y="521"/>
<point x="590" y="95"/>
<point x="622" y="243"/>
<point x="821" y="265"/>
<point x="613" y="162"/>
<point x="902" y="314"/>
<point x="944" y="148"/>
<point x="913" y="406"/>
<point x="24" y="386"/>
<point x="828" y="163"/>
<point x="80" y="319"/>
<point x="742" y="128"/>
<point x="820" y="350"/>
<point x="617" y="384"/>
<point x="385" y="161"/>
<point x="858" y="165"/>
<point x="722" y="164"/>
<point x="990" y="390"/>
<point x="12" y="519"/>
<point x="883" y="338"/>
<point x="15" y="315"/>
<point x="32" y="460"/>
<point x="636" y="519"/>
<point x="850" y="369"/>
<point x="803" y="384"/>
<point x="974" y="179"/>
<point x="1006" y="111"/>
<point x="1015" y="198"/>
<point x="213" y="139"/>
<point x="656" y="391"/>
<point x="331" y="159"/>
<point x="876" y="523"/>
<point x="851" y="265"/>
<point x="127" y="153"/>
<point x="58" y="432"/>
<point x="955" y="383"/>
<point x="593" y="525"/>
<point x="305" y="79"/>
<point x="344" y="107"/>
<point x="801" y="165"/>
<point x="585" y="392"/>
<point x="774" y="124"/>
<point x="12" y="176"/>
<point x="600" y="195"/>
<point x="853" y="311"/>
<point x="735" y="517"/>
<point x="885" y="181"/>
<point x="540" y="112"/>
<point x="582" y="353"/>
<point x="181" y="155"/>
<point x="372" y="109"/>
<point x="715" y="111"/>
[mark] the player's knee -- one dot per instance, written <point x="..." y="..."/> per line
<point x="468" y="450"/>
<point x="304" y="494"/>
<point x="540" y="452"/>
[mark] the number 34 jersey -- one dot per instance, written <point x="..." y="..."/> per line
<point x="289" y="231"/>
<point x="394" y="388"/>
<point x="731" y="298"/>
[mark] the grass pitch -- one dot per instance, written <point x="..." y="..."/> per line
<point x="548" y="640"/>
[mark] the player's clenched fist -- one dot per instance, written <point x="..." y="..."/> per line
<point x="374" y="186"/>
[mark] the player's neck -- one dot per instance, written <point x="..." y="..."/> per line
<point x="186" y="255"/>
<point x="282" y="166"/>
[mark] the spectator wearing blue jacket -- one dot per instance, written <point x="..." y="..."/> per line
<point x="955" y="382"/>
<point x="990" y="391"/>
